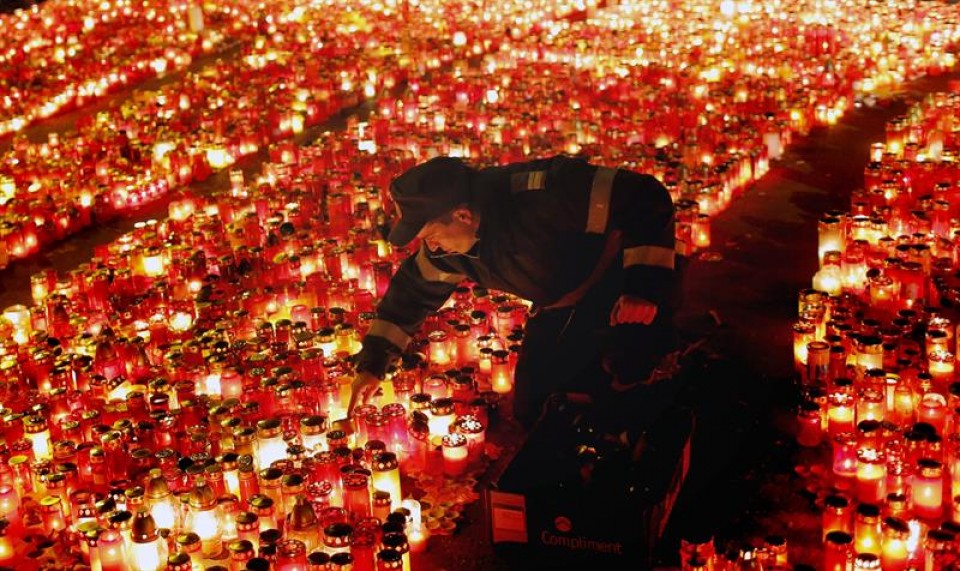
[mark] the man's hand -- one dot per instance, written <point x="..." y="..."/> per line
<point x="363" y="388"/>
<point x="633" y="309"/>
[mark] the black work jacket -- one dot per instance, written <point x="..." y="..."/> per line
<point x="543" y="226"/>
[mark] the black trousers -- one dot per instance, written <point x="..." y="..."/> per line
<point x="574" y="349"/>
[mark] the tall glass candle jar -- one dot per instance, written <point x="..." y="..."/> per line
<point x="336" y="538"/>
<point x="841" y="413"/>
<point x="845" y="460"/>
<point x="933" y="410"/>
<point x="866" y="529"/>
<point x="148" y="552"/>
<point x="896" y="535"/>
<point x="203" y="519"/>
<point x="291" y="556"/>
<point x="928" y="489"/>
<point x="270" y="444"/>
<point x="386" y="476"/>
<point x="809" y="424"/>
<point x="838" y="551"/>
<point x="356" y="493"/>
<point x="871" y="476"/>
<point x="836" y="514"/>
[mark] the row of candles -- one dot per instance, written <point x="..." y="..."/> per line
<point x="66" y="54"/>
<point x="241" y="307"/>
<point x="37" y="171"/>
<point x="119" y="159"/>
<point x="250" y="301"/>
<point x="274" y="89"/>
<point x="875" y="349"/>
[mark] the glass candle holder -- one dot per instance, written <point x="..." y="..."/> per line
<point x="933" y="410"/>
<point x="928" y="489"/>
<point x="203" y="519"/>
<point x="866" y="529"/>
<point x="838" y="551"/>
<point x="941" y="366"/>
<point x="147" y="552"/>
<point x="871" y="405"/>
<point x="441" y="416"/>
<point x="291" y="556"/>
<point x="844" y="460"/>
<point x="386" y="476"/>
<point x="830" y="236"/>
<point x="871" y="476"/>
<point x="455" y="454"/>
<point x="270" y="444"/>
<point x="841" y="413"/>
<point x="356" y="494"/>
<point x="336" y="538"/>
<point x="896" y="553"/>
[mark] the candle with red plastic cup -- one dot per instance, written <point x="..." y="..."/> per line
<point x="933" y="411"/>
<point x="838" y="551"/>
<point x="844" y="459"/>
<point x="455" y="454"/>
<point x="871" y="476"/>
<point x="841" y="413"/>
<point x="110" y="547"/>
<point x="501" y="375"/>
<point x="928" y="489"/>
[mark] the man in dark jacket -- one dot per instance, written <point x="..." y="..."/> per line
<point x="591" y="247"/>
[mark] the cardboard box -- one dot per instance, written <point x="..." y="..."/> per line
<point x="552" y="510"/>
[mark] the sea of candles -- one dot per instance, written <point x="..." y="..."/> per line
<point x="191" y="376"/>
<point x="61" y="55"/>
<point x="888" y="411"/>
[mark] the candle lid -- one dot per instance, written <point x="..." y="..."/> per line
<point x="291" y="548"/>
<point x="144" y="529"/>
<point x="385" y="461"/>
<point x="442" y="406"/>
<point x="396" y="541"/>
<point x="291" y="481"/>
<point x="392" y="555"/>
<point x="302" y="516"/>
<point x="868" y="511"/>
<point x="269" y="475"/>
<point x="260" y="502"/>
<point x="202" y="496"/>
<point x="837" y="537"/>
<point x="179" y="562"/>
<point x="313" y="424"/>
<point x="246" y="518"/>
<point x="896" y="525"/>
<point x="393" y="409"/>
<point x="929" y="468"/>
<point x="240" y="546"/>
<point x="270" y="537"/>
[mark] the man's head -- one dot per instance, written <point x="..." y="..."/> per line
<point x="432" y="200"/>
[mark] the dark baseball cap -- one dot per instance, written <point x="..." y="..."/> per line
<point x="428" y="191"/>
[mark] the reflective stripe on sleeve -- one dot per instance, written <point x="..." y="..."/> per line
<point x="432" y="273"/>
<point x="648" y="256"/>
<point x="390" y="332"/>
<point x="600" y="192"/>
<point x="531" y="180"/>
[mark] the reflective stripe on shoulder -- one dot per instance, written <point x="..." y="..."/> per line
<point x="432" y="273"/>
<point x="649" y="256"/>
<point x="599" y="213"/>
<point x="389" y="331"/>
<point x="531" y="180"/>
